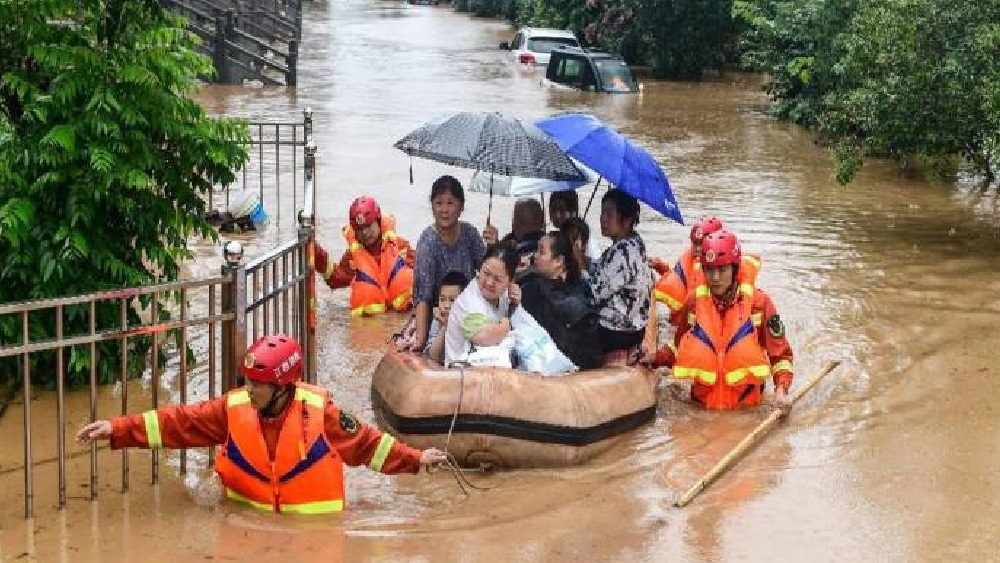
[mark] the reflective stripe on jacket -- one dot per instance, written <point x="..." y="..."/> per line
<point x="671" y="288"/>
<point x="379" y="285"/>
<point x="307" y="474"/>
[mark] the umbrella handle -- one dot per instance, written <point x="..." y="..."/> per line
<point x="592" y="194"/>
<point x="489" y="207"/>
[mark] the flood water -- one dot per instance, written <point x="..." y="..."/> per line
<point x="891" y="458"/>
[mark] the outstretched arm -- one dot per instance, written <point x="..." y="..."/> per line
<point x="175" y="426"/>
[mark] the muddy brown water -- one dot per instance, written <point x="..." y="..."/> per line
<point x="891" y="458"/>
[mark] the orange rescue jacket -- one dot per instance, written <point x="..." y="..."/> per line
<point x="382" y="283"/>
<point x="721" y="352"/>
<point x="307" y="474"/>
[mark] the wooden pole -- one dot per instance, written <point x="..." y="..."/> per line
<point x="741" y="448"/>
<point x="652" y="338"/>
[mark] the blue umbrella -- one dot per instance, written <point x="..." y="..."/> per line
<point x="618" y="160"/>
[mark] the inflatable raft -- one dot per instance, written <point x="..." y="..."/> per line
<point x="507" y="418"/>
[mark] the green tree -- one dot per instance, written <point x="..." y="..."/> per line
<point x="104" y="157"/>
<point x="924" y="76"/>
<point x="680" y="39"/>
<point x="799" y="44"/>
<point x="888" y="78"/>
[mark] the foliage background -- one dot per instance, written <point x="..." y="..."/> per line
<point x="913" y="80"/>
<point x="104" y="161"/>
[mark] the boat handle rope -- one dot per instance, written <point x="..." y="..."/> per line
<point x="451" y="462"/>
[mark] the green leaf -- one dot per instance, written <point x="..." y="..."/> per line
<point x="62" y="136"/>
<point x="101" y="160"/>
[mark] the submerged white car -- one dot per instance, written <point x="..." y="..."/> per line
<point x="532" y="45"/>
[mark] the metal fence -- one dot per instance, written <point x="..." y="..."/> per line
<point x="213" y="317"/>
<point x="246" y="40"/>
<point x="277" y="155"/>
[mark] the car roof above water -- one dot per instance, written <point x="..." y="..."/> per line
<point x="547" y="32"/>
<point x="582" y="51"/>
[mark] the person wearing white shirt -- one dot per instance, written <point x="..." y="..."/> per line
<point x="481" y="315"/>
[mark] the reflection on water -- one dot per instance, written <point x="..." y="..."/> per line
<point x="884" y="461"/>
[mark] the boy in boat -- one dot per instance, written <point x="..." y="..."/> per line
<point x="731" y="336"/>
<point x="285" y="442"/>
<point x="377" y="265"/>
<point x="244" y="213"/>
<point x="451" y="287"/>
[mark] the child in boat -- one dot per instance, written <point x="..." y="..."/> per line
<point x="451" y="287"/>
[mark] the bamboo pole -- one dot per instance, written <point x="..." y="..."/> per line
<point x="763" y="428"/>
<point x="652" y="337"/>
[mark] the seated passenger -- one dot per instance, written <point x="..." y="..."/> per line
<point x="616" y="84"/>
<point x="578" y="232"/>
<point x="377" y="265"/>
<point x="564" y="208"/>
<point x="557" y="297"/>
<point x="447" y="245"/>
<point x="621" y="281"/>
<point x="481" y="314"/>
<point x="451" y="287"/>
<point x="527" y="226"/>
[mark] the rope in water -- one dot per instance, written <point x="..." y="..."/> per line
<point x="451" y="462"/>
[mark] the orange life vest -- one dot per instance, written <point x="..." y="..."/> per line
<point x="306" y="475"/>
<point x="721" y="352"/>
<point x="672" y="287"/>
<point x="383" y="283"/>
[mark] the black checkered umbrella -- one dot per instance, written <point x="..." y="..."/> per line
<point x="491" y="142"/>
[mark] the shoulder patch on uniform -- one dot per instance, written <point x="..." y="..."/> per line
<point x="348" y="423"/>
<point x="775" y="326"/>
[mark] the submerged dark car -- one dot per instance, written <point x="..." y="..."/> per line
<point x="590" y="71"/>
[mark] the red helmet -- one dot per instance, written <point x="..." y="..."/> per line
<point x="364" y="211"/>
<point x="705" y="226"/>
<point x="720" y="248"/>
<point x="273" y="359"/>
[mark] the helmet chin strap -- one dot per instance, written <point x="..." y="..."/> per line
<point x="270" y="410"/>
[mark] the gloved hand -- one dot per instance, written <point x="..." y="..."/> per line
<point x="664" y="357"/>
<point x="322" y="259"/>
<point x="659" y="265"/>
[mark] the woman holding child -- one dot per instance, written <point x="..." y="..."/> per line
<point x="481" y="314"/>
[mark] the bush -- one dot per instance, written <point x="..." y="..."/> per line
<point x="894" y="78"/>
<point x="104" y="159"/>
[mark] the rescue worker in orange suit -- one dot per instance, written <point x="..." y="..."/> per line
<point x="284" y="442"/>
<point x="731" y="336"/>
<point x="377" y="265"/>
<point x="672" y="287"/>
